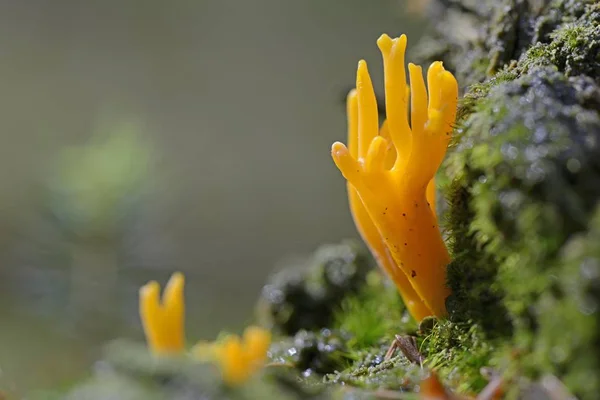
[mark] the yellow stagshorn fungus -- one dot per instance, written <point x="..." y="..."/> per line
<point x="238" y="358"/>
<point x="397" y="191"/>
<point x="164" y="327"/>
<point x="368" y="231"/>
<point x="163" y="321"/>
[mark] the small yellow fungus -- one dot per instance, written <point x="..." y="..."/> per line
<point x="238" y="358"/>
<point x="164" y="327"/>
<point x="164" y="321"/>
<point x="395" y="194"/>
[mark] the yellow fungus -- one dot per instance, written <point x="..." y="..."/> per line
<point x="415" y="305"/>
<point x="396" y="197"/>
<point x="238" y="358"/>
<point x="164" y="327"/>
<point x="163" y="321"/>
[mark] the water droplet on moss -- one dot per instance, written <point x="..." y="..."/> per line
<point x="540" y="134"/>
<point x="536" y="172"/>
<point x="588" y="306"/>
<point x="590" y="268"/>
<point x="509" y="151"/>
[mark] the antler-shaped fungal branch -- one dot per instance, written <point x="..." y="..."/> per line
<point x="368" y="231"/>
<point x="163" y="322"/>
<point x="395" y="196"/>
<point x="238" y="358"/>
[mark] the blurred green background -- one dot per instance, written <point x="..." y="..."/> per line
<point x="144" y="137"/>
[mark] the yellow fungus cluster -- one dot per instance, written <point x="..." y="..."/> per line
<point x="237" y="357"/>
<point x="390" y="173"/>
<point x="163" y="322"/>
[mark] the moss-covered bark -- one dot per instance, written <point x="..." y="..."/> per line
<point x="523" y="180"/>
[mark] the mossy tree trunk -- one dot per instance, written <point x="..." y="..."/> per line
<point x="523" y="179"/>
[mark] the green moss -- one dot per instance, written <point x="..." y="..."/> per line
<point x="311" y="353"/>
<point x="559" y="12"/>
<point x="376" y="313"/>
<point x="574" y="48"/>
<point x="511" y="181"/>
<point x="497" y="34"/>
<point x="372" y="372"/>
<point x="523" y="182"/>
<point x="572" y="306"/>
<point x="472" y="272"/>
<point x="457" y="352"/>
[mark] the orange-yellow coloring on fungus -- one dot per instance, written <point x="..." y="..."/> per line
<point x="238" y="358"/>
<point x="395" y="197"/>
<point x="415" y="305"/>
<point x="164" y="327"/>
<point x="163" y="321"/>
